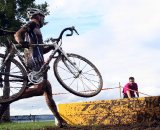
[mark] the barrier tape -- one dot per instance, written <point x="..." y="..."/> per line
<point x="84" y="91"/>
<point x="140" y="92"/>
<point x="102" y="89"/>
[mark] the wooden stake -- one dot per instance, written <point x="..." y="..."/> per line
<point x="120" y="89"/>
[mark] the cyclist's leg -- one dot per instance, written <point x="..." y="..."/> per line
<point x="3" y="108"/>
<point x="44" y="88"/>
<point x="51" y="104"/>
<point x="38" y="90"/>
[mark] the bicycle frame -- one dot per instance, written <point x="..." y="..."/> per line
<point x="57" y="48"/>
<point x="67" y="69"/>
<point x="15" y="51"/>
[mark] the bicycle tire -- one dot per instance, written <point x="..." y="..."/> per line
<point x="61" y="60"/>
<point x="17" y="89"/>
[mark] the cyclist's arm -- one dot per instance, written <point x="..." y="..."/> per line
<point x="46" y="49"/>
<point x="20" y="34"/>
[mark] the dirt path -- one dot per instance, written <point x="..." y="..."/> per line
<point x="153" y="126"/>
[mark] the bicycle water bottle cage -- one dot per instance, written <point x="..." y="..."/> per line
<point x="35" y="77"/>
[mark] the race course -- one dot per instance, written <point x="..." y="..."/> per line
<point x="153" y="126"/>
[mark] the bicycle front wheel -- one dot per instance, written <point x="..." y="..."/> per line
<point x="13" y="80"/>
<point x="78" y="75"/>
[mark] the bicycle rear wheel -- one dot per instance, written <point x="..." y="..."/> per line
<point x="13" y="81"/>
<point x="79" y="76"/>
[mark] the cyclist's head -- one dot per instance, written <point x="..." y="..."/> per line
<point x="38" y="14"/>
<point x="131" y="79"/>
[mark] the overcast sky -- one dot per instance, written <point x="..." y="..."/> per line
<point x="121" y="37"/>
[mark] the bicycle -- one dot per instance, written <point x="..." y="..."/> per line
<point x="74" y="72"/>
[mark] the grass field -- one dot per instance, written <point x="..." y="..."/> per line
<point x="26" y="125"/>
<point x="50" y="126"/>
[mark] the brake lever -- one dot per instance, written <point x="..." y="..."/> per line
<point x="50" y="39"/>
<point x="47" y="40"/>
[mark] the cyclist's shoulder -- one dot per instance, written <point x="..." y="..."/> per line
<point x="30" y="25"/>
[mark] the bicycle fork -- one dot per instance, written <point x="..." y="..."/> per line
<point x="72" y="63"/>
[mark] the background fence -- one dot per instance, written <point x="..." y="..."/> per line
<point x="32" y="118"/>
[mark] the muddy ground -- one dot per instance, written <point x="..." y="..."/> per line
<point x="140" y="126"/>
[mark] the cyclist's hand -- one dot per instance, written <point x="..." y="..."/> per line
<point x="24" y="44"/>
<point x="52" y="47"/>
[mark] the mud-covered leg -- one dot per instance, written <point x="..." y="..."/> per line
<point x="38" y="90"/>
<point x="52" y="105"/>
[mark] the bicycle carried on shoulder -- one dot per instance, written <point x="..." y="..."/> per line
<point x="74" y="72"/>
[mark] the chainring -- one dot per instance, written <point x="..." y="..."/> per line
<point x="35" y="78"/>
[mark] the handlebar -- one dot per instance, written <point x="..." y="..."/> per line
<point x="71" y="29"/>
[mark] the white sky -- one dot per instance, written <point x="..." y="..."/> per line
<point x="121" y="37"/>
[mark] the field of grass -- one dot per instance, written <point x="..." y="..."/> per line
<point x="50" y="126"/>
<point x="26" y="125"/>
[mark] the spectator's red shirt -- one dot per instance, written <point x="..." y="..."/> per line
<point x="132" y="86"/>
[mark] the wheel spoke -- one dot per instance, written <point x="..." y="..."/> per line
<point x="88" y="71"/>
<point x="84" y="67"/>
<point x="84" y="84"/>
<point x="72" y="82"/>
<point x="64" y="69"/>
<point x="13" y="68"/>
<point x="77" y="85"/>
<point x="17" y="83"/>
<point x="68" y="78"/>
<point x="90" y="74"/>
<point x="11" y="91"/>
<point x="15" y="72"/>
<point x="83" y="78"/>
<point x="15" y="87"/>
<point x="90" y="80"/>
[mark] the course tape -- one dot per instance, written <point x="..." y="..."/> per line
<point x="102" y="89"/>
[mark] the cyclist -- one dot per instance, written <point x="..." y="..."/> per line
<point x="31" y="34"/>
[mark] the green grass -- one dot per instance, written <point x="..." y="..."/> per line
<point x="26" y="125"/>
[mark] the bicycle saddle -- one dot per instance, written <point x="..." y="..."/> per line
<point x="6" y="32"/>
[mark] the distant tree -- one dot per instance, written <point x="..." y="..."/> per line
<point x="12" y="17"/>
